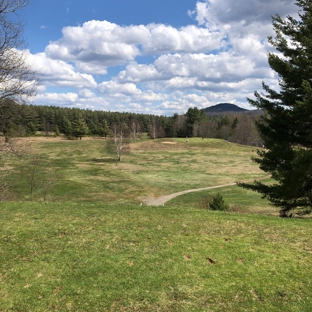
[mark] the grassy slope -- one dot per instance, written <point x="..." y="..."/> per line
<point x="88" y="171"/>
<point x="96" y="249"/>
<point x="240" y="200"/>
<point x="93" y="257"/>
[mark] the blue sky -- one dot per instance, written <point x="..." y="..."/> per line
<point x="45" y="19"/>
<point x="154" y="57"/>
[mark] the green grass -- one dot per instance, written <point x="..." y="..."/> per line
<point x="240" y="200"/>
<point x="87" y="170"/>
<point x="92" y="247"/>
<point x="93" y="257"/>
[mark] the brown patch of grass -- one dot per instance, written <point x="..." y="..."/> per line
<point x="156" y="146"/>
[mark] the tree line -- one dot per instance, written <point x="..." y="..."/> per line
<point x="26" y="120"/>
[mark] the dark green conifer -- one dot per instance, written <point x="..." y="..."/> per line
<point x="79" y="127"/>
<point x="286" y="126"/>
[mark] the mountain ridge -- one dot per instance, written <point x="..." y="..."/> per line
<point x="227" y="108"/>
<point x="224" y="107"/>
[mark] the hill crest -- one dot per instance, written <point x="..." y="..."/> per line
<point x="224" y="108"/>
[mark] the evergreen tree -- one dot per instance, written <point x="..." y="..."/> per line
<point x="286" y="124"/>
<point x="28" y="119"/>
<point x="103" y="128"/>
<point x="218" y="203"/>
<point x="79" y="127"/>
<point x="193" y="115"/>
<point x="65" y="126"/>
<point x="9" y="117"/>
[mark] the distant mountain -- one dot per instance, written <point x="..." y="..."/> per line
<point x="228" y="108"/>
<point x="224" y="108"/>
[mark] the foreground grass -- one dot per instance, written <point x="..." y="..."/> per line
<point x="95" y="257"/>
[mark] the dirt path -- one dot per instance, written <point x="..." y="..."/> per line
<point x="163" y="199"/>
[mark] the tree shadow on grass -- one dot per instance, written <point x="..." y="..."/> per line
<point x="103" y="160"/>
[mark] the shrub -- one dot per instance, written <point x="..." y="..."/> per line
<point x="218" y="203"/>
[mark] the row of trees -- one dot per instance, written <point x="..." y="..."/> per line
<point x="17" y="119"/>
<point x="239" y="128"/>
<point x="20" y="120"/>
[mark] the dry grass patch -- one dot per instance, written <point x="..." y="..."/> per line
<point x="156" y="145"/>
<point x="167" y="142"/>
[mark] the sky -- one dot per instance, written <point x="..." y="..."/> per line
<point x="152" y="57"/>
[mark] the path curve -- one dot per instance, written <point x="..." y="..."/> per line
<point x="160" y="201"/>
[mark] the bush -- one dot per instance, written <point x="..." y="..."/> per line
<point x="218" y="203"/>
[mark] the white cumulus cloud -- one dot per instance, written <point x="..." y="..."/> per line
<point x="162" y="69"/>
<point x="59" y="73"/>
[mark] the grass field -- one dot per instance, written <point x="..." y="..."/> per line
<point x="94" y="257"/>
<point x="92" y="247"/>
<point x="87" y="169"/>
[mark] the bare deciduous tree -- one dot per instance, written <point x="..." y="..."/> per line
<point x="152" y="130"/>
<point x="39" y="175"/>
<point x="17" y="79"/>
<point x="245" y="131"/>
<point x="135" y="128"/>
<point x="14" y="147"/>
<point x="31" y="172"/>
<point x="207" y="128"/>
<point x="155" y="130"/>
<point x="120" y="133"/>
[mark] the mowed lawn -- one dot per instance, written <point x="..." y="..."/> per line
<point x="100" y="257"/>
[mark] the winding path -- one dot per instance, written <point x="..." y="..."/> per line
<point x="160" y="201"/>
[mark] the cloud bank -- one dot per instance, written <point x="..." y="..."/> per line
<point x="221" y="56"/>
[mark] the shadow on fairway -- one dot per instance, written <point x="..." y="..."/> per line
<point x="103" y="160"/>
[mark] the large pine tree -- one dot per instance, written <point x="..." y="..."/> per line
<point x="79" y="127"/>
<point x="286" y="126"/>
